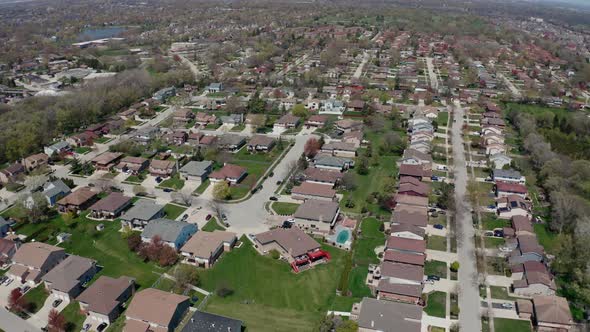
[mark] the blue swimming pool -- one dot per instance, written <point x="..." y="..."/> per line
<point x="343" y="236"/>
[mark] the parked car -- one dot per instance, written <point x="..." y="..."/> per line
<point x="287" y="224"/>
<point x="291" y="220"/>
<point x="488" y="179"/>
<point x="56" y="303"/>
<point x="158" y="179"/>
<point x="273" y="198"/>
<point x="434" y="178"/>
<point x="184" y="217"/>
<point x="25" y="289"/>
<point x="9" y="281"/>
<point x="101" y="327"/>
<point x="86" y="327"/>
<point x="499" y="233"/>
<point x="507" y="305"/>
<point x="279" y="182"/>
<point x="488" y="233"/>
<point x="438" y="226"/>
<point x="433" y="277"/>
<point x="168" y="190"/>
<point x="208" y="217"/>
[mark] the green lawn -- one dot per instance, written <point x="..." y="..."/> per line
<point x="36" y="297"/>
<point x="493" y="242"/>
<point x="173" y="211"/>
<point x="436" y="242"/>
<point x="267" y="295"/>
<point x="238" y="128"/>
<point x="437" y="268"/>
<point x="202" y="187"/>
<point x="436" y="304"/>
<point x="174" y="182"/>
<point x="344" y="303"/>
<point x="82" y="150"/>
<point x="284" y="209"/>
<point x="212" y="225"/>
<point x="546" y="238"/>
<point x="443" y="118"/>
<point x="136" y="178"/>
<point x="73" y="317"/>
<point x="490" y="221"/>
<point x="102" y="140"/>
<point x="501" y="293"/>
<point x="511" y="325"/>
<point x="364" y="254"/>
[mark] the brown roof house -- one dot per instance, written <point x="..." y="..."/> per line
<point x="314" y="213"/>
<point x="77" y="201"/>
<point x="391" y="291"/>
<point x="405" y="245"/>
<point x="162" y="168"/>
<point x="229" y="172"/>
<point x="315" y="120"/>
<point x="415" y="171"/>
<point x="103" y="300"/>
<point x="106" y="161"/>
<point x="552" y="313"/>
<point x="405" y="258"/>
<point x="535" y="283"/>
<point x="35" y="161"/>
<point x="183" y="117"/>
<point x="66" y="280"/>
<point x="287" y="121"/>
<point x="7" y="250"/>
<point x="322" y="176"/>
<point x="133" y="165"/>
<point x="12" y="173"/>
<point x="261" y="143"/>
<point x="290" y="242"/>
<point x="340" y="149"/>
<point x="155" y="310"/>
<point x="204" y="248"/>
<point x="374" y="315"/>
<point x="33" y="260"/>
<point x="309" y="190"/>
<point x="110" y="207"/>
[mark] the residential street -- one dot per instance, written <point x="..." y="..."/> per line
<point x="12" y="323"/>
<point x="432" y="74"/>
<point x="469" y="303"/>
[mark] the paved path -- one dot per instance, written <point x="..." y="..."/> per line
<point x="469" y="303"/>
<point x="359" y="70"/>
<point x="432" y="74"/>
<point x="510" y="86"/>
<point x="193" y="68"/>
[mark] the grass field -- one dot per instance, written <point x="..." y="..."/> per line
<point x="363" y="255"/>
<point x="436" y="304"/>
<point x="212" y="225"/>
<point x="500" y="293"/>
<point x="82" y="150"/>
<point x="36" y="297"/>
<point x="174" y="182"/>
<point x="284" y="209"/>
<point x="493" y="242"/>
<point x="511" y="325"/>
<point x="267" y="295"/>
<point x="490" y="221"/>
<point x="436" y="242"/>
<point x="173" y="211"/>
<point x="73" y="317"/>
<point x="437" y="268"/>
<point x="443" y="118"/>
<point x="547" y="239"/>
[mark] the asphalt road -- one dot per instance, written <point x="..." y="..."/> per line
<point x="469" y="303"/>
<point x="13" y="323"/>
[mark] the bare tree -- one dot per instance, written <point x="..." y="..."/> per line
<point x="184" y="197"/>
<point x="217" y="209"/>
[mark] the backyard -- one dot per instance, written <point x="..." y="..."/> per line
<point x="269" y="297"/>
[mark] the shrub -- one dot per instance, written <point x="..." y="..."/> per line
<point x="224" y="291"/>
<point x="455" y="266"/>
<point x="275" y="254"/>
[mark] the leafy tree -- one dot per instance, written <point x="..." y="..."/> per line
<point x="56" y="322"/>
<point x="348" y="326"/>
<point x="311" y="147"/>
<point x="455" y="266"/>
<point x="362" y="166"/>
<point x="134" y="241"/>
<point x="300" y="111"/>
<point x="221" y="190"/>
<point x="349" y="181"/>
<point x="16" y="301"/>
<point x="186" y="275"/>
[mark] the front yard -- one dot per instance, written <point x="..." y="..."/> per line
<point x="173" y="211"/>
<point x="284" y="209"/>
<point x="36" y="297"/>
<point x="436" y="304"/>
<point x="175" y="182"/>
<point x="435" y="242"/>
<point x="512" y="325"/>
<point x="267" y="295"/>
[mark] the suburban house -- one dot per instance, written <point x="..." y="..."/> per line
<point x="521" y="225"/>
<point x="423" y="146"/>
<point x="513" y="205"/>
<point x="405" y="245"/>
<point x="373" y="315"/>
<point x="66" y="280"/>
<point x="292" y="243"/>
<point x="353" y="137"/>
<point x="141" y="213"/>
<point x="162" y="168"/>
<point x="133" y="165"/>
<point x="332" y="106"/>
<point x="12" y="173"/>
<point x="206" y="322"/>
<point x="397" y="273"/>
<point x="340" y="149"/>
<point x="35" y="161"/>
<point x="7" y="250"/>
<point x="106" y="161"/>
<point x="309" y="190"/>
<point x="505" y="189"/>
<point x="231" y="142"/>
<point x="234" y="119"/>
<point x="528" y="249"/>
<point x="214" y="88"/>
<point x="520" y="270"/>
<point x="535" y="283"/>
<point x="317" y="212"/>
<point x="415" y="157"/>
<point x="410" y="215"/>
<point x="261" y="143"/>
<point x="414" y="188"/>
<point x="329" y="162"/>
<point x="356" y="105"/>
<point x="111" y="206"/>
<point x="144" y="136"/>
<point x="163" y="94"/>
<point x="177" y="137"/>
<point x="82" y="139"/>
<point x="552" y="313"/>
<point x="500" y="160"/>
<point x="287" y="121"/>
<point x="205" y="119"/>
<point x="204" y="248"/>
<point x="415" y="171"/>
<point x="103" y="300"/>
<point x="508" y="175"/>
<point x="183" y="117"/>
<point x="404" y="258"/>
<point x="347" y="125"/>
<point x="387" y="290"/>
<point x="196" y="170"/>
<point x="77" y="201"/>
<point x="194" y="138"/>
<point x="407" y="231"/>
<point x="322" y="176"/>
<point x="155" y="310"/>
<point x="208" y="141"/>
<point x="33" y="260"/>
<point x="411" y="200"/>
<point x="318" y="121"/>
<point x="229" y="172"/>
<point x="173" y="233"/>
<point x="57" y="148"/>
<point x="54" y="191"/>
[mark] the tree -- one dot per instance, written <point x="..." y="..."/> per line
<point x="217" y="209"/>
<point x="69" y="218"/>
<point x="167" y="256"/>
<point x="186" y="275"/>
<point x="15" y="300"/>
<point x="257" y="121"/>
<point x="455" y="266"/>
<point x="133" y="241"/>
<point x="56" y="322"/>
<point x="392" y="142"/>
<point x="184" y="197"/>
<point x="300" y="111"/>
<point x="348" y="326"/>
<point x="362" y="166"/>
<point x="311" y="148"/>
<point x="349" y="181"/>
<point x="34" y="206"/>
<point x="221" y="191"/>
<point x="446" y="199"/>
<point x="198" y="155"/>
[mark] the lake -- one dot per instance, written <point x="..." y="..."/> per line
<point x="100" y="33"/>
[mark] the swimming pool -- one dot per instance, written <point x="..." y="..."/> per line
<point x="343" y="236"/>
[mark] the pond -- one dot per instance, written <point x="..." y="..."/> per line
<point x="100" y="33"/>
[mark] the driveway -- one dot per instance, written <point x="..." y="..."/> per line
<point x="40" y="318"/>
<point x="469" y="318"/>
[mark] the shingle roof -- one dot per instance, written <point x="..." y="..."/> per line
<point x="402" y="271"/>
<point x="400" y="243"/>
<point x="34" y="253"/>
<point x="102" y="295"/>
<point x="167" y="229"/>
<point x="66" y="275"/>
<point x="313" y="209"/>
<point x="111" y="203"/>
<point x="206" y="322"/>
<point x="552" y="309"/>
<point x="203" y="244"/>
<point x="293" y="240"/>
<point x="314" y="189"/>
<point x="143" y="210"/>
<point x="155" y="306"/>
<point x="405" y="258"/>
<point x="228" y="171"/>
<point x="196" y="168"/>
<point x="78" y="197"/>
<point x="388" y="316"/>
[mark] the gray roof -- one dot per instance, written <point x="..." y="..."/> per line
<point x="507" y="173"/>
<point x="66" y="275"/>
<point x="59" y="145"/>
<point x="328" y="160"/>
<point x="51" y="189"/>
<point x="388" y="316"/>
<point x="313" y="209"/>
<point x="231" y="139"/>
<point x="142" y="210"/>
<point x="206" y="322"/>
<point x="196" y="168"/>
<point x="3" y="222"/>
<point x="167" y="229"/>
